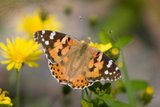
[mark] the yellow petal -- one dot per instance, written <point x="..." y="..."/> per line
<point x="106" y="47"/>
<point x="10" y="66"/>
<point x="32" y="64"/>
<point x="101" y="47"/>
<point x="18" y="66"/>
<point x="3" y="47"/>
<point x="4" y="100"/>
<point x="5" y="61"/>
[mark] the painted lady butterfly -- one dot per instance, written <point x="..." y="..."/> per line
<point x="74" y="63"/>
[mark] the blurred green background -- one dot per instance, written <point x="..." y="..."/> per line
<point x="138" y="19"/>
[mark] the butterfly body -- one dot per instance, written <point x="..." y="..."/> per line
<point x="74" y="63"/>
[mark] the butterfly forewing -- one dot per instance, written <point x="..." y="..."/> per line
<point x="55" y="44"/>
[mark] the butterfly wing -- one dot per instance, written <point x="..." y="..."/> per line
<point x="92" y="66"/>
<point x="55" y="44"/>
<point x="61" y="73"/>
<point x="101" y="67"/>
<point x="59" y="48"/>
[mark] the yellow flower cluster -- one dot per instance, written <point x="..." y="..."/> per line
<point x="18" y="52"/>
<point x="101" y="47"/>
<point x="4" y="100"/>
<point x="32" y="23"/>
<point x="149" y="90"/>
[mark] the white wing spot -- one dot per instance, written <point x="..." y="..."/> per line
<point x="106" y="72"/>
<point x="116" y="68"/>
<point x="109" y="63"/>
<point x="114" y="72"/>
<point x="43" y="40"/>
<point x="110" y="73"/>
<point x="43" y="31"/>
<point x="47" y="42"/>
<point x="52" y="35"/>
<point x="41" y="36"/>
<point x="107" y="79"/>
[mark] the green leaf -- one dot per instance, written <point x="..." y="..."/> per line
<point x="107" y="99"/>
<point x="112" y="102"/>
<point x="123" y="41"/>
<point x="104" y="37"/>
<point x="119" y="104"/>
<point x="86" y="103"/>
<point x="139" y="84"/>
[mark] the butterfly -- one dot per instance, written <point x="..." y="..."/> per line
<point x="75" y="63"/>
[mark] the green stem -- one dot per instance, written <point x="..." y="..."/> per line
<point x="128" y="85"/>
<point x="85" y="94"/>
<point x="18" y="89"/>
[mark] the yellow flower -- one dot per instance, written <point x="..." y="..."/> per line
<point x="114" y="51"/>
<point x="18" y="52"/>
<point x="101" y="47"/>
<point x="149" y="90"/>
<point x="32" y="23"/>
<point x="4" y="100"/>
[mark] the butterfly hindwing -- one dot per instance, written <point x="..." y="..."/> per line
<point x="79" y="82"/>
<point x="59" y="71"/>
<point x="101" y="67"/>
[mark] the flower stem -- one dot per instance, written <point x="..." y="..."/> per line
<point x="85" y="94"/>
<point x="18" y="89"/>
<point x="128" y="85"/>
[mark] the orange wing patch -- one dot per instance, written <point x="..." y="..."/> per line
<point x="95" y="66"/>
<point x="59" y="72"/>
<point x="79" y="81"/>
<point x="53" y="52"/>
<point x="61" y="48"/>
<point x="96" y="71"/>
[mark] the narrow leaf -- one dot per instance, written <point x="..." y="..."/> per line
<point x="123" y="41"/>
<point x="139" y="84"/>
